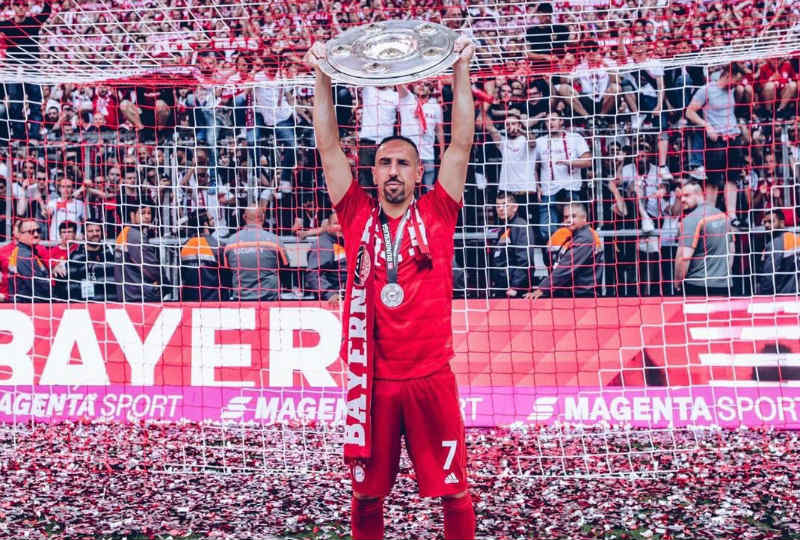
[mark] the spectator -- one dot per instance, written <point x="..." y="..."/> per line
<point x="599" y="87"/>
<point x="29" y="276"/>
<point x="702" y="263"/>
<point x="105" y="109"/>
<point x="137" y="270"/>
<point x="643" y="90"/>
<point x="33" y="199"/>
<point x="578" y="267"/>
<point x="421" y="120"/>
<point x="201" y="261"/>
<point x="130" y="194"/>
<point x="724" y="144"/>
<point x="641" y="180"/>
<point x="22" y="49"/>
<point x="326" y="272"/>
<point x="779" y="265"/>
<point x="91" y="268"/>
<point x="203" y="103"/>
<point x="198" y="195"/>
<point x="274" y="116"/>
<point x="57" y="256"/>
<point x="255" y="257"/>
<point x="778" y="79"/>
<point x="768" y="197"/>
<point x="309" y="222"/>
<point x="511" y="250"/>
<point x="559" y="156"/>
<point x="378" y="117"/>
<point x="65" y="208"/>
<point x="517" y="174"/>
<point x="546" y="40"/>
<point x="5" y="255"/>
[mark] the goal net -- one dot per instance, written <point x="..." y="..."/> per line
<point x="174" y="270"/>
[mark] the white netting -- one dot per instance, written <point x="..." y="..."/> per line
<point x="202" y="114"/>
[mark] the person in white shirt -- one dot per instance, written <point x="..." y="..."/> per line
<point x="378" y="118"/>
<point x="65" y="208"/>
<point x="274" y="114"/>
<point x="558" y="159"/>
<point x="203" y="100"/>
<point x="643" y="90"/>
<point x="639" y="178"/>
<point x="422" y="121"/>
<point x="599" y="87"/>
<point x="517" y="174"/>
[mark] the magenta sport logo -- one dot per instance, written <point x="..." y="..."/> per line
<point x="235" y="408"/>
<point x="544" y="408"/>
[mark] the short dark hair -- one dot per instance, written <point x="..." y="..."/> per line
<point x="391" y="138"/>
<point x="734" y="68"/>
<point x="506" y="196"/>
<point x="577" y="206"/>
<point x="544" y="7"/>
<point x="198" y="219"/>
<point x="68" y="225"/>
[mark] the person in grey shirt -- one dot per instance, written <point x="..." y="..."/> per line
<point x="326" y="272"/>
<point x="725" y="146"/>
<point x="702" y="263"/>
<point x="255" y="257"/>
<point x="137" y="269"/>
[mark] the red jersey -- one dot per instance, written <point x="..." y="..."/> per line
<point x="414" y="339"/>
<point x="56" y="254"/>
<point x="785" y="70"/>
<point x="107" y="108"/>
<point x="5" y="255"/>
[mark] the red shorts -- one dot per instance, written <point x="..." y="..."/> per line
<point x="427" y="412"/>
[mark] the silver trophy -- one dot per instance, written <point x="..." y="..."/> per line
<point x="390" y="52"/>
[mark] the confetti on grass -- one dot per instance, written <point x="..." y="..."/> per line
<point x="179" y="482"/>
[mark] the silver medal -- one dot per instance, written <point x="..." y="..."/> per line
<point x="392" y="295"/>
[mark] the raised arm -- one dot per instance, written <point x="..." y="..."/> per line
<point x="335" y="165"/>
<point x="453" y="171"/>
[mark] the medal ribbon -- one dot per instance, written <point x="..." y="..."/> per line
<point x="391" y="249"/>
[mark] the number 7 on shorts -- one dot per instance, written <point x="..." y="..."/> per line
<point x="451" y="452"/>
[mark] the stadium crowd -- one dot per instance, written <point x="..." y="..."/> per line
<point x="664" y="178"/>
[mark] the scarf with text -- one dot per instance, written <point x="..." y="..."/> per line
<point x="358" y="322"/>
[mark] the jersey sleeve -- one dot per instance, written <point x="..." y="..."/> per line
<point x="353" y="202"/>
<point x="442" y="205"/>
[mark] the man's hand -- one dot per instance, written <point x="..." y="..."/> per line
<point x="60" y="270"/>
<point x="711" y="133"/>
<point x="315" y="55"/>
<point x="511" y="293"/>
<point x="534" y="295"/>
<point x="465" y="47"/>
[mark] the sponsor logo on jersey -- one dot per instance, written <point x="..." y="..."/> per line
<point x="358" y="473"/>
<point x="363" y="266"/>
<point x="451" y="479"/>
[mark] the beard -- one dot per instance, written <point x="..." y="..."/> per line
<point x="394" y="195"/>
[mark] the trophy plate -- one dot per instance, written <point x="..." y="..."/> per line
<point x="390" y="52"/>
